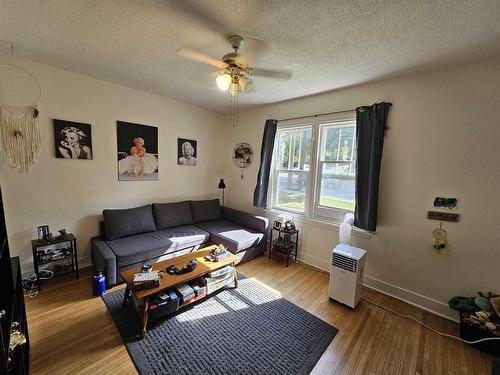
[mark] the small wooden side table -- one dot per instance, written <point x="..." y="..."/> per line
<point x="39" y="255"/>
<point x="284" y="245"/>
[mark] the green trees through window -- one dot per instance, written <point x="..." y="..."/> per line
<point x="294" y="160"/>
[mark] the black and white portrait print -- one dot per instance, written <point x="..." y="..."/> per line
<point x="137" y="152"/>
<point x="73" y="140"/>
<point x="186" y="151"/>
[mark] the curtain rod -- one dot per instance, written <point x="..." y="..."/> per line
<point x="317" y="115"/>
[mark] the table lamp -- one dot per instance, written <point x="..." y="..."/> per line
<point x="222" y="186"/>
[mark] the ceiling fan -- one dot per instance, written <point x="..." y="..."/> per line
<point x="235" y="70"/>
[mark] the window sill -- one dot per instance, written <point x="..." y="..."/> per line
<point x="301" y="219"/>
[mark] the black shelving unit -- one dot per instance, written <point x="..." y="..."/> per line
<point x="42" y="258"/>
<point x="13" y="312"/>
<point x="284" y="246"/>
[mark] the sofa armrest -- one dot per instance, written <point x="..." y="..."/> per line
<point x="255" y="222"/>
<point x="104" y="259"/>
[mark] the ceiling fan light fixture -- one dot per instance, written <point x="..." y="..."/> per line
<point x="245" y="83"/>
<point x="235" y="69"/>
<point x="223" y="81"/>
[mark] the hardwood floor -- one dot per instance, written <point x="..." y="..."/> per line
<point x="72" y="333"/>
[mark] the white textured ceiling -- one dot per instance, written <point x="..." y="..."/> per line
<point x="327" y="44"/>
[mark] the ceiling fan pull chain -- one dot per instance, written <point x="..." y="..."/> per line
<point x="231" y="109"/>
<point x="236" y="108"/>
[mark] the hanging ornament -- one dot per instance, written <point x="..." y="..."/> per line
<point x="20" y="139"/>
<point x="440" y="240"/>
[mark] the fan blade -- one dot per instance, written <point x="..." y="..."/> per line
<point x="279" y="74"/>
<point x="253" y="48"/>
<point x="201" y="14"/>
<point x="202" y="57"/>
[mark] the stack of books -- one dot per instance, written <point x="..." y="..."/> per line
<point x="218" y="279"/>
<point x="186" y="292"/>
<point x="146" y="280"/>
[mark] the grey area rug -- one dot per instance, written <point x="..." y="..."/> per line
<point x="248" y="330"/>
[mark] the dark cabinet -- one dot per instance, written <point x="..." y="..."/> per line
<point x="12" y="310"/>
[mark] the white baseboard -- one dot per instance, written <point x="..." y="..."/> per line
<point x="84" y="262"/>
<point x="422" y="302"/>
<point x="425" y="303"/>
<point x="27" y="269"/>
<point x="314" y="262"/>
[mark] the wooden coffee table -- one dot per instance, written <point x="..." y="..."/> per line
<point x="170" y="281"/>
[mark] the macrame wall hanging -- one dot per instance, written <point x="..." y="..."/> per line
<point x="20" y="139"/>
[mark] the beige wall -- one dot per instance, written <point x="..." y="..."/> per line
<point x="443" y="139"/>
<point x="72" y="193"/>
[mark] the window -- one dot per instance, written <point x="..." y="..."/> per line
<point x="336" y="169"/>
<point x="315" y="166"/>
<point x="291" y="172"/>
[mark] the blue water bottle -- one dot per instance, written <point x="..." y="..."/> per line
<point x="98" y="284"/>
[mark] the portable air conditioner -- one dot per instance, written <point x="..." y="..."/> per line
<point x="346" y="274"/>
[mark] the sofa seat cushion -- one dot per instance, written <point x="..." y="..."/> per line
<point x="133" y="249"/>
<point x="186" y="236"/>
<point x="235" y="237"/>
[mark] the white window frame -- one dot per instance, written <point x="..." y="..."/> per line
<point x="312" y="209"/>
<point x="276" y="169"/>
<point x="321" y="211"/>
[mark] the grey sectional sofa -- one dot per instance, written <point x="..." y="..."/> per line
<point x="164" y="230"/>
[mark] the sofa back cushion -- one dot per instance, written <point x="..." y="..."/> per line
<point x="171" y="215"/>
<point x="207" y="210"/>
<point x="127" y="222"/>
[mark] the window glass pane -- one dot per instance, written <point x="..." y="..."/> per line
<point x="346" y="144"/>
<point x="339" y="169"/>
<point x="291" y="188"/>
<point x="337" y="172"/>
<point x="337" y="186"/>
<point x="283" y="149"/>
<point x="294" y="149"/>
<point x="330" y="149"/>
<point x="338" y="142"/>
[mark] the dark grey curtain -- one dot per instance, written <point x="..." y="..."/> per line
<point x="370" y="126"/>
<point x="266" y="155"/>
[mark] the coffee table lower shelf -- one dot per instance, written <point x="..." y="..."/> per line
<point x="144" y="311"/>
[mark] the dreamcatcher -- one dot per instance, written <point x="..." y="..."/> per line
<point x="20" y="139"/>
<point x="440" y="240"/>
<point x="242" y="156"/>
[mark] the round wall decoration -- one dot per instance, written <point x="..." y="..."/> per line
<point x="242" y="156"/>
